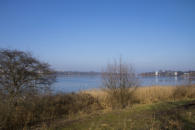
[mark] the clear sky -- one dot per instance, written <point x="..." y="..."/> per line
<point x="86" y="35"/>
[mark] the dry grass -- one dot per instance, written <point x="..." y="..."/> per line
<point x="99" y="94"/>
<point x="149" y="94"/>
<point x="45" y="108"/>
<point x="154" y="94"/>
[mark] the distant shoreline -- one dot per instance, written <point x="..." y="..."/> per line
<point x="69" y="73"/>
<point x="169" y="73"/>
<point x="145" y="74"/>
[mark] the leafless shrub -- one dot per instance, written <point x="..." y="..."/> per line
<point x="118" y="78"/>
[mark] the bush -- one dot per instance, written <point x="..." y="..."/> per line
<point x="118" y="78"/>
<point x="187" y="91"/>
<point x="39" y="109"/>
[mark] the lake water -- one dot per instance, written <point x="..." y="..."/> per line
<point x="77" y="83"/>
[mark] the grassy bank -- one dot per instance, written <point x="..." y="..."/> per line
<point x="82" y="109"/>
<point x="158" y="116"/>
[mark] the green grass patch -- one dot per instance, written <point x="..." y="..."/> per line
<point x="164" y="115"/>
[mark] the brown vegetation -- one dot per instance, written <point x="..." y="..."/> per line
<point x="45" y="108"/>
<point x="117" y="79"/>
<point x="150" y="94"/>
<point x="23" y="104"/>
<point x="38" y="109"/>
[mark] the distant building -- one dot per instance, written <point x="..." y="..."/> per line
<point x="156" y="73"/>
<point x="186" y="74"/>
<point x="170" y="73"/>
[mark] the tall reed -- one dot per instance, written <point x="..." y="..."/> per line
<point x="149" y="94"/>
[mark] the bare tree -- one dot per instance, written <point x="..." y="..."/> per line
<point x="21" y="73"/>
<point x="120" y="81"/>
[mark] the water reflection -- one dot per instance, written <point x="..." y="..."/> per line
<point x="156" y="80"/>
<point x="176" y="80"/>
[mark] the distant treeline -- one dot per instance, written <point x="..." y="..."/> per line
<point x="77" y="73"/>
<point x="170" y="73"/>
<point x="160" y="73"/>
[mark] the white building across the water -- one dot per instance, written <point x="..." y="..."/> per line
<point x="156" y="73"/>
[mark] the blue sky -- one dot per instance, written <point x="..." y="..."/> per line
<point x="86" y="35"/>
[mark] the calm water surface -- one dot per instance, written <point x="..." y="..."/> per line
<point x="77" y="83"/>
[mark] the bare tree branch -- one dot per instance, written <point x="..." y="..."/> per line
<point x="20" y="72"/>
<point x="120" y="80"/>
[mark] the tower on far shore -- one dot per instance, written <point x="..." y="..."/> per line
<point x="156" y="73"/>
<point x="175" y="73"/>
